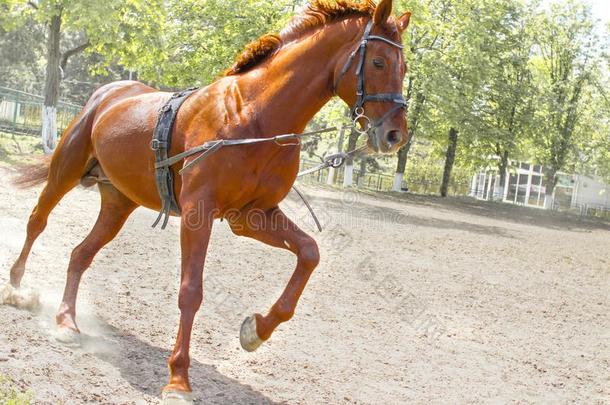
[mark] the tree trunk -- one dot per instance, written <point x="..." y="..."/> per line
<point x="362" y="171"/>
<point x="449" y="159"/>
<point x="403" y="153"/>
<point x="348" y="177"/>
<point x="51" y="87"/>
<point x="498" y="194"/>
<point x="550" y="183"/>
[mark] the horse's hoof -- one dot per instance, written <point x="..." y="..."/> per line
<point x="67" y="336"/>
<point x="248" y="338"/>
<point x="23" y="298"/>
<point x="176" y="398"/>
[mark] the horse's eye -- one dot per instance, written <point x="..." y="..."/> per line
<point x="378" y="63"/>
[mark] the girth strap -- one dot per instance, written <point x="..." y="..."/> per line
<point x="160" y="144"/>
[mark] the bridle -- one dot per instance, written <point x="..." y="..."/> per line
<point x="357" y="110"/>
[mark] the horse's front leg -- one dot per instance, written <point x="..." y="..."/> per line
<point x="275" y="229"/>
<point x="195" y="229"/>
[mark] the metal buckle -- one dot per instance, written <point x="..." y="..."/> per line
<point x="336" y="160"/>
<point x="155" y="144"/>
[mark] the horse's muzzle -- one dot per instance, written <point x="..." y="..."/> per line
<point x="387" y="140"/>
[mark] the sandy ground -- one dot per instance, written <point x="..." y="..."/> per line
<point x="416" y="300"/>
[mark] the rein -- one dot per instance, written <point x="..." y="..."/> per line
<point x="209" y="147"/>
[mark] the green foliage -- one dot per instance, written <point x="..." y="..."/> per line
<point x="11" y="395"/>
<point x="424" y="171"/>
<point x="205" y="36"/>
<point x="566" y="68"/>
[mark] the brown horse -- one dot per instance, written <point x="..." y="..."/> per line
<point x="276" y="86"/>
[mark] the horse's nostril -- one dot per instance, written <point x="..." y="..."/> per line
<point x="392" y="137"/>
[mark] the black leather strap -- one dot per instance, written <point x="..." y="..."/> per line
<point x="361" y="95"/>
<point x="160" y="144"/>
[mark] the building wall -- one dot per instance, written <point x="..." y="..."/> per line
<point x="590" y="192"/>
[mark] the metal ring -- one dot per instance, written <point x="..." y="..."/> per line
<point x="366" y="127"/>
<point x="337" y="162"/>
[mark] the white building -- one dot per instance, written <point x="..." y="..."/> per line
<point x="526" y="185"/>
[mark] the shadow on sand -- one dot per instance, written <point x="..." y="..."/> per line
<point x="464" y="205"/>
<point x="144" y="367"/>
<point x="369" y="214"/>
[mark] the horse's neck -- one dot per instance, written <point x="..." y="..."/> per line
<point x="288" y="90"/>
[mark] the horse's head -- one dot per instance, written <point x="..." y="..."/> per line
<point x="370" y="80"/>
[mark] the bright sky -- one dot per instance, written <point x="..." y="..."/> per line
<point x="601" y="8"/>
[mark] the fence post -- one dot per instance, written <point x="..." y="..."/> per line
<point x="15" y="111"/>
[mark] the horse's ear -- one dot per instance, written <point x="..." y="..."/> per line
<point x="382" y="12"/>
<point x="403" y="21"/>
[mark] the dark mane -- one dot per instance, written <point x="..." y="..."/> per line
<point x="318" y="13"/>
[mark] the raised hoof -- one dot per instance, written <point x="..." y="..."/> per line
<point x="67" y="336"/>
<point x="248" y="338"/>
<point x="23" y="298"/>
<point x="176" y="398"/>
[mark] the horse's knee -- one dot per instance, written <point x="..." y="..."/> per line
<point x="309" y="255"/>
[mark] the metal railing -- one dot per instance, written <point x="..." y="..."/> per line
<point x="21" y="112"/>
<point x="383" y="182"/>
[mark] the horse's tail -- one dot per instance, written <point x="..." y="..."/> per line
<point x="33" y="174"/>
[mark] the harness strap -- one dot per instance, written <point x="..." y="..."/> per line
<point x="360" y="68"/>
<point x="217" y="144"/>
<point x="160" y="144"/>
<point x="393" y="97"/>
<point x="336" y="160"/>
<point x="388" y="114"/>
<point x="313" y="214"/>
<point x="361" y="96"/>
<point x="387" y="41"/>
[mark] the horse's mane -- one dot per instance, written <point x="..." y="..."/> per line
<point x="317" y="14"/>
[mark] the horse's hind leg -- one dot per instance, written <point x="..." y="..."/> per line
<point x="114" y="211"/>
<point x="67" y="166"/>
<point x="48" y="199"/>
<point x="277" y="230"/>
<point x="60" y="181"/>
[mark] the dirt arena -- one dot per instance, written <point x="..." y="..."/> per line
<point x="416" y="300"/>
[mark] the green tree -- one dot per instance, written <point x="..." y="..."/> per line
<point x="126" y="29"/>
<point x="205" y="36"/>
<point x="460" y="75"/>
<point x="507" y="102"/>
<point x="566" y="67"/>
<point x="424" y="42"/>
